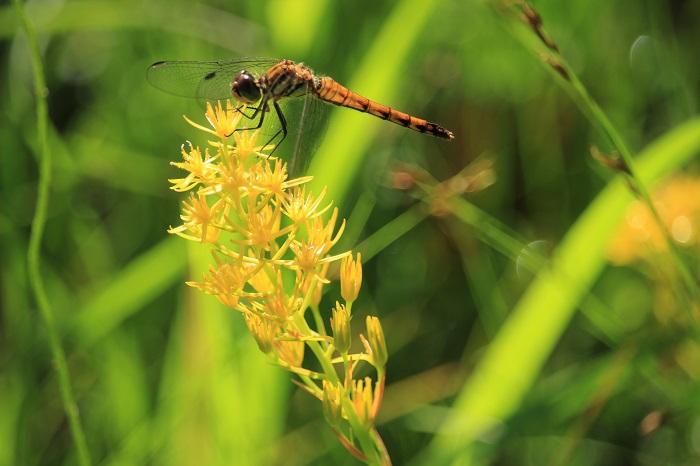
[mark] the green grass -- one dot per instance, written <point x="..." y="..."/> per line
<point x="497" y="356"/>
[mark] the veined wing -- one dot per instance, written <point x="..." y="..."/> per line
<point x="308" y="122"/>
<point x="204" y="80"/>
<point x="306" y="116"/>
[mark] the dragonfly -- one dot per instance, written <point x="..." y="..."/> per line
<point x="292" y="90"/>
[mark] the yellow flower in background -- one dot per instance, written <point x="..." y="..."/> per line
<point x="678" y="203"/>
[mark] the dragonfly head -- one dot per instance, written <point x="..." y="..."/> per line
<point x="245" y="88"/>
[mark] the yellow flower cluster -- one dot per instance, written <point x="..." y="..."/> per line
<point x="271" y="249"/>
<point x="262" y="225"/>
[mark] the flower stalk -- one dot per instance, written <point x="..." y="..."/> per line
<point x="271" y="248"/>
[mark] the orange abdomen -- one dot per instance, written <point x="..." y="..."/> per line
<point x="330" y="91"/>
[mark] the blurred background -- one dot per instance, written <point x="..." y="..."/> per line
<point x="607" y="374"/>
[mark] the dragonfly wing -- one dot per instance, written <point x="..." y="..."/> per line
<point x="204" y="80"/>
<point x="307" y="122"/>
<point x="208" y="81"/>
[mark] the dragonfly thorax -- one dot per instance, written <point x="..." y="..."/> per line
<point x="245" y="88"/>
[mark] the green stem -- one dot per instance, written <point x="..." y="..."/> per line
<point x="598" y="117"/>
<point x="364" y="437"/>
<point x="391" y="231"/>
<point x="35" y="239"/>
<point x="328" y="369"/>
<point x="315" y="311"/>
<point x="318" y="320"/>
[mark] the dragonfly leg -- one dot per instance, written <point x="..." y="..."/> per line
<point x="260" y="109"/>
<point x="256" y="110"/>
<point x="283" y="129"/>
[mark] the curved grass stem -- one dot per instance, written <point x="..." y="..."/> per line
<point x="34" y="249"/>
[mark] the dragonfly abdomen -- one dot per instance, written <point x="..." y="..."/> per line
<point x="329" y="90"/>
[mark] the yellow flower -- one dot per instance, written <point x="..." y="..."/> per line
<point x="678" y="204"/>
<point x="312" y="251"/>
<point x="363" y="401"/>
<point x="223" y="122"/>
<point x="224" y="282"/>
<point x="264" y="331"/>
<point x="245" y="145"/>
<point x="230" y="177"/>
<point x="200" y="168"/>
<point x="200" y="219"/>
<point x="291" y="352"/>
<point x="270" y="180"/>
<point x="278" y="305"/>
<point x="263" y="225"/>
<point x="299" y="207"/>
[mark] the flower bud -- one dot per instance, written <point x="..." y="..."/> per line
<point x="375" y="343"/>
<point x="263" y="332"/>
<point x="340" y="324"/>
<point x="350" y="277"/>
<point x="332" y="403"/>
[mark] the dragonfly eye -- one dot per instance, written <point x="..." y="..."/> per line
<point x="245" y="89"/>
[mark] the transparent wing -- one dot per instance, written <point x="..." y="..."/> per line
<point x="310" y="115"/>
<point x="204" y="80"/>
<point x="306" y="116"/>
